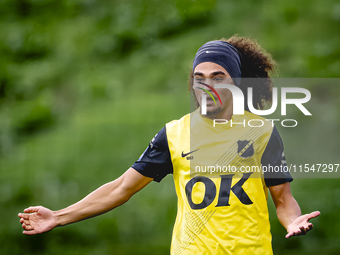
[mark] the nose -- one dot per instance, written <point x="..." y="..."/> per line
<point x="208" y="85"/>
<point x="211" y="88"/>
<point x="210" y="82"/>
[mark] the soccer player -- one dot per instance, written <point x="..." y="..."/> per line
<point x="222" y="209"/>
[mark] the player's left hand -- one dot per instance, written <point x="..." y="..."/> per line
<point x="301" y="225"/>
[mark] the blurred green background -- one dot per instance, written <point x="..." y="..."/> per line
<point x="84" y="86"/>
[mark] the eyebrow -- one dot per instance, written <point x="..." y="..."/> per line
<point x="212" y="74"/>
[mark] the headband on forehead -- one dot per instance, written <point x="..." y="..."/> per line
<point x="223" y="54"/>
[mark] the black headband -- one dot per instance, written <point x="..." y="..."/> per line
<point x="223" y="54"/>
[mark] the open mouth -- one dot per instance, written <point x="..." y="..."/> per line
<point x="210" y="101"/>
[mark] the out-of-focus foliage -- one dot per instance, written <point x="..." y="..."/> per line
<point x="85" y="84"/>
<point x="55" y="52"/>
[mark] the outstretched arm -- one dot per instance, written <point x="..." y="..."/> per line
<point x="38" y="219"/>
<point x="288" y="211"/>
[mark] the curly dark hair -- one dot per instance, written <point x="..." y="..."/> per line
<point x="255" y="63"/>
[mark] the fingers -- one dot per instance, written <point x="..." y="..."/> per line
<point x="31" y="232"/>
<point x="305" y="230"/>
<point x="301" y="231"/>
<point x="32" y="209"/>
<point x="24" y="216"/>
<point x="27" y="222"/>
<point x="313" y="215"/>
<point x="27" y="227"/>
<point x="290" y="234"/>
<point x="295" y="233"/>
<point x="310" y="226"/>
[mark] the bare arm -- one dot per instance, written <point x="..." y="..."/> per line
<point x="39" y="219"/>
<point x="288" y="211"/>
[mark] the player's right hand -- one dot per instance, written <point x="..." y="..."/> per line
<point x="37" y="220"/>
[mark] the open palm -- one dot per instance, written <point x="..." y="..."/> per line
<point x="301" y="225"/>
<point x="37" y="220"/>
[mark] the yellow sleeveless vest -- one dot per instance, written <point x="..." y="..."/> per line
<point x="222" y="198"/>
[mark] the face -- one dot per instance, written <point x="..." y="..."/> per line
<point x="211" y="74"/>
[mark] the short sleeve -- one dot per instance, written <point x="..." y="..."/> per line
<point x="273" y="161"/>
<point x="155" y="162"/>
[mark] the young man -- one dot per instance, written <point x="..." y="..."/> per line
<point x="219" y="212"/>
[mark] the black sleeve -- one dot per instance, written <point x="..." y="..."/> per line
<point x="273" y="161"/>
<point x="155" y="162"/>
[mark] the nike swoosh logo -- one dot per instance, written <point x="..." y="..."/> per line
<point x="186" y="154"/>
